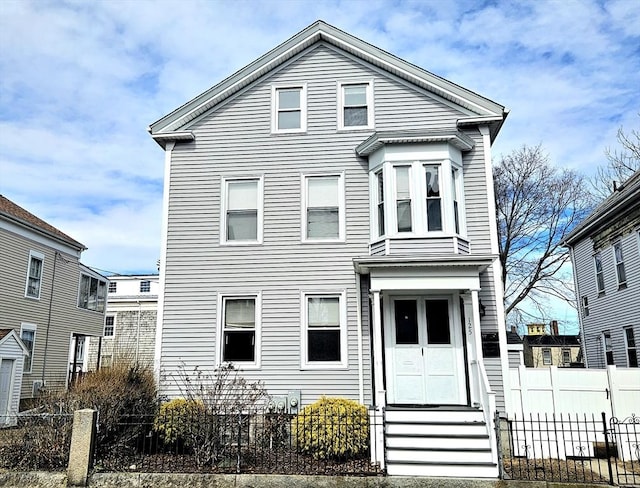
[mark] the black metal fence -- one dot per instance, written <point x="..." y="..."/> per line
<point x="570" y="448"/>
<point x="243" y="442"/>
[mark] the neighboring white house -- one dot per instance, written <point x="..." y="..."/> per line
<point x="605" y="252"/>
<point x="130" y="322"/>
<point x="12" y="355"/>
<point x="329" y="227"/>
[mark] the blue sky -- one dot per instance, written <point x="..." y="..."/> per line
<point x="81" y="81"/>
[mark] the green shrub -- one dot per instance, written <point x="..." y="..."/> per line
<point x="332" y="428"/>
<point x="178" y="419"/>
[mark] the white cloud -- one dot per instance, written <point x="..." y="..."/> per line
<point x="82" y="81"/>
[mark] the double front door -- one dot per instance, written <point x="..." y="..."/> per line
<point x="424" y="351"/>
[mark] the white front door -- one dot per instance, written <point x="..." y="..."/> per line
<point x="424" y="352"/>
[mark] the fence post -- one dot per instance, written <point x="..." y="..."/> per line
<point x="82" y="441"/>
<point x="606" y="445"/>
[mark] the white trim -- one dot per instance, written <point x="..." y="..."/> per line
<point x="40" y="256"/>
<point x="33" y="328"/>
<point x="104" y="329"/>
<point x="491" y="201"/>
<point x="341" y="207"/>
<point x="257" y="343"/>
<point x="368" y="82"/>
<point x="157" y="356"/>
<point x="275" y="88"/>
<point x="223" y="210"/>
<point x="618" y="243"/>
<point x="598" y="255"/>
<point x="412" y="199"/>
<point x="305" y="364"/>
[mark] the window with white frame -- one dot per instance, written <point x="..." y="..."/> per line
<point x="620" y="272"/>
<point x="403" y="198"/>
<point x="109" y="325"/>
<point x="323" y="217"/>
<point x="585" y="306"/>
<point x="324" y="338"/>
<point x="145" y="286"/>
<point x="379" y="214"/>
<point x="632" y="351"/>
<point x="289" y="109"/>
<point x="240" y="329"/>
<point x="113" y="286"/>
<point x="242" y="210"/>
<point x="34" y="275"/>
<point x="355" y="105"/>
<point x="434" y="199"/>
<point x="92" y="294"/>
<point x="455" y="190"/>
<point x="566" y="356"/>
<point x="28" y="336"/>
<point x="597" y="260"/>
<point x="546" y="356"/>
<point x="607" y="347"/>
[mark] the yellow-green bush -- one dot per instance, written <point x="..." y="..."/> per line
<point x="332" y="428"/>
<point x="179" y="419"/>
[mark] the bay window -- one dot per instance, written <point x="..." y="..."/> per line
<point x="92" y="294"/>
<point x="426" y="199"/>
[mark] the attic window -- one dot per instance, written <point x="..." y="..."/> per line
<point x="289" y="109"/>
<point x="356" y="105"/>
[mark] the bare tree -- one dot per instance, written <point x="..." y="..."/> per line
<point x="537" y="206"/>
<point x="622" y="162"/>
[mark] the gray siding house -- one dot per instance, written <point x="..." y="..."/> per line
<point x="51" y="300"/>
<point x="605" y="252"/>
<point x="329" y="227"/>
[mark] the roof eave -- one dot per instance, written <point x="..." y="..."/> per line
<point x="39" y="230"/>
<point x="379" y="139"/>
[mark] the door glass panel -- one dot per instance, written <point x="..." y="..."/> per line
<point x="406" y="322"/>
<point x="438" y="330"/>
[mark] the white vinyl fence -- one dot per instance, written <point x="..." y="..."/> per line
<point x="572" y="400"/>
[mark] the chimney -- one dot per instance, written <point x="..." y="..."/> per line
<point x="554" y="327"/>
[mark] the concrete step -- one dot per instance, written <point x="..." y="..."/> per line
<point x="417" y="441"/>
<point x="442" y="470"/>
<point x="443" y="456"/>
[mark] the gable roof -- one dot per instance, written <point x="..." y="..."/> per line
<point x="8" y="334"/>
<point x="18" y="215"/>
<point x="485" y="111"/>
<point x="625" y="198"/>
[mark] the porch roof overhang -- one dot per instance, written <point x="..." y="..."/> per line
<point x="424" y="273"/>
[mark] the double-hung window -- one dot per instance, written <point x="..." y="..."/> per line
<point x="34" y="275"/>
<point x="620" y="272"/>
<point x="355" y="105"/>
<point x="455" y="190"/>
<point x="324" y="335"/>
<point x="323" y="217"/>
<point x="566" y="356"/>
<point x="379" y="189"/>
<point x="632" y="351"/>
<point x="92" y="294"/>
<point x="434" y="200"/>
<point x="585" y="306"/>
<point x="109" y="326"/>
<point x="113" y="286"/>
<point x="597" y="260"/>
<point x="289" y="109"/>
<point x="145" y="286"/>
<point x="240" y="329"/>
<point x="607" y="347"/>
<point x="28" y="336"/>
<point x="403" y="198"/>
<point x="546" y="356"/>
<point x="242" y="211"/>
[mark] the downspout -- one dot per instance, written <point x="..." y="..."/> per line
<point x="359" y="324"/>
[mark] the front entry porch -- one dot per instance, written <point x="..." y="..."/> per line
<point x="429" y="379"/>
